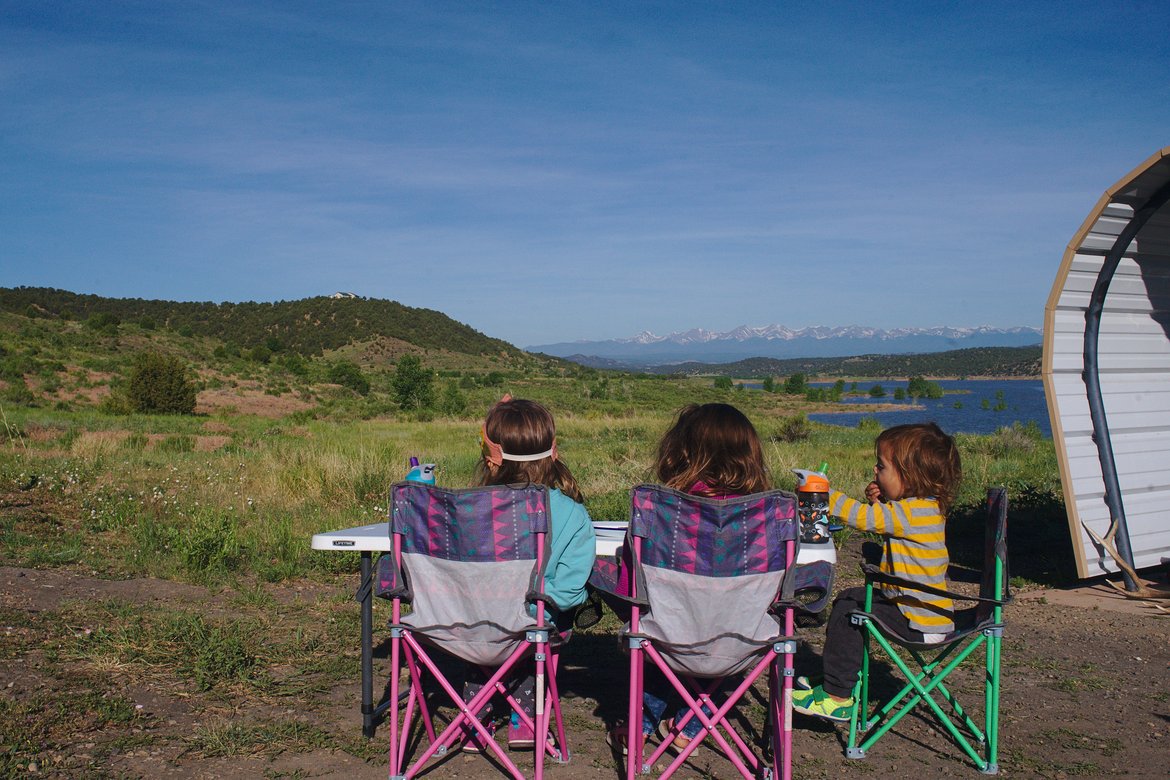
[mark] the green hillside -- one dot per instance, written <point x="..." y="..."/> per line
<point x="308" y="327"/>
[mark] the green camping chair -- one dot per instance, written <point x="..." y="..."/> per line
<point x="980" y="626"/>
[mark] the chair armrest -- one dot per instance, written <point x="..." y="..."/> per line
<point x="874" y="574"/>
<point x="812" y="588"/>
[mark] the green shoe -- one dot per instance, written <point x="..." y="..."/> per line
<point x="802" y="696"/>
<point x="818" y="704"/>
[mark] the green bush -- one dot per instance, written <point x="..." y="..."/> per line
<point x="413" y="384"/>
<point x="161" y="384"/>
<point x="453" y="402"/>
<point x="793" y="429"/>
<point x="115" y="403"/>
<point x="104" y="322"/>
<point x="347" y="374"/>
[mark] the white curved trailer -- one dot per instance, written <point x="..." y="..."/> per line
<point x="1107" y="371"/>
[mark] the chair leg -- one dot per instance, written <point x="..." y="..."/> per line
<point x="634" y="741"/>
<point x="919" y="689"/>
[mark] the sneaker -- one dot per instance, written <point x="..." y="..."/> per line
<point x="520" y="736"/>
<point x="474" y="742"/>
<point x="818" y="704"/>
<point x="803" y="683"/>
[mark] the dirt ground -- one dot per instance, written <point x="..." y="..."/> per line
<point x="1086" y="692"/>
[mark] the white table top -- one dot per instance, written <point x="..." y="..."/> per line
<point x="610" y="534"/>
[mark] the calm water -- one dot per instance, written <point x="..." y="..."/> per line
<point x="960" y="410"/>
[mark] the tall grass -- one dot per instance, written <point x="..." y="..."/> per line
<point x="251" y="507"/>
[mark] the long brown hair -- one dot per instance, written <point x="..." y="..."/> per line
<point x="926" y="459"/>
<point x="523" y="427"/>
<point x="714" y="444"/>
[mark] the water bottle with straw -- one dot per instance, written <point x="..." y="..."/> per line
<point x="812" y="501"/>
<point x="421" y="472"/>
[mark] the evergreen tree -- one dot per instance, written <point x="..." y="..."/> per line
<point x="160" y="384"/>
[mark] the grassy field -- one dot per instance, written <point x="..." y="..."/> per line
<point x="201" y="498"/>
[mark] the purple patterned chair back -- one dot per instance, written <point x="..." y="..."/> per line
<point x="711" y="572"/>
<point x="713" y="537"/>
<point x="469" y="564"/>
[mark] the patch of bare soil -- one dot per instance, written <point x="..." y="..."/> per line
<point x="1086" y="692"/>
<point x="217" y="426"/>
<point x="249" y="401"/>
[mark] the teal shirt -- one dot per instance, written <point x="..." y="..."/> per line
<point x="574" y="547"/>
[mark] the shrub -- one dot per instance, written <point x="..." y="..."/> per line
<point x="347" y="374"/>
<point x="723" y="383"/>
<point x="924" y="388"/>
<point x="161" y="384"/>
<point x="793" y="429"/>
<point x="413" y="384"/>
<point x="795" y="384"/>
<point x="115" y="403"/>
<point x="104" y="322"/>
<point x="259" y="354"/>
<point x="453" y="402"/>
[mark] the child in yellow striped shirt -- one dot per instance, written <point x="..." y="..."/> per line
<point x="915" y="479"/>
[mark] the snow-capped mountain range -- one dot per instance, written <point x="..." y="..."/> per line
<point x="779" y="341"/>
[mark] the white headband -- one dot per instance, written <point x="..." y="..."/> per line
<point x="525" y="458"/>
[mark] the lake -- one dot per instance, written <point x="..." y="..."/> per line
<point x="967" y="406"/>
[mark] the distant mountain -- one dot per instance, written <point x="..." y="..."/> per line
<point x="308" y="326"/>
<point x="777" y="341"/>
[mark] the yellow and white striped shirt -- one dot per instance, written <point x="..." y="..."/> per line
<point x="916" y="549"/>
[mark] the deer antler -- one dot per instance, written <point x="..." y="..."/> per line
<point x="1144" y="591"/>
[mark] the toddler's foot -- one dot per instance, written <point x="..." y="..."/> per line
<point x="818" y="704"/>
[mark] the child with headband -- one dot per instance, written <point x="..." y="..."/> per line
<point x="519" y="445"/>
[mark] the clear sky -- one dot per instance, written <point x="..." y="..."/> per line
<point x="553" y="171"/>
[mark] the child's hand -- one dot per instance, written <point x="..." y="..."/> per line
<point x="873" y="493"/>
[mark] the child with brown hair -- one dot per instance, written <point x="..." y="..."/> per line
<point x="519" y="445"/>
<point x="711" y="450"/>
<point x="915" y="479"/>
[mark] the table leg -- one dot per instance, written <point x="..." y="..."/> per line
<point x="366" y="597"/>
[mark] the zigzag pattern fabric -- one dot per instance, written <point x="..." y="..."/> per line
<point x="425" y="516"/>
<point x="712" y="537"/>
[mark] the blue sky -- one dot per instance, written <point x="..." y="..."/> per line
<point x="558" y="171"/>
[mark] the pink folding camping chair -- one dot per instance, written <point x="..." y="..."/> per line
<point x="710" y="583"/>
<point x="470" y="564"/>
